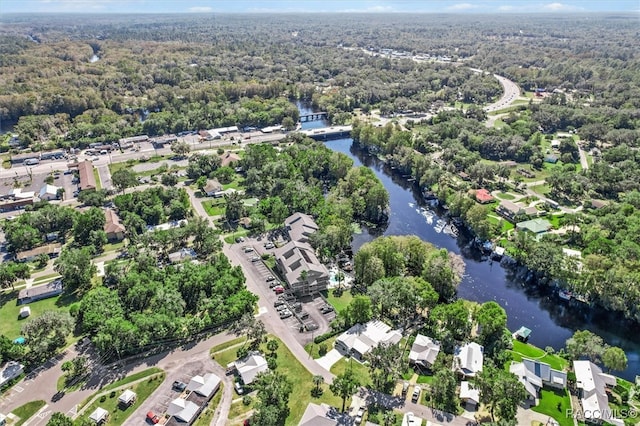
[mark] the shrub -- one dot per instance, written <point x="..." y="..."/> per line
<point x="322" y="349"/>
<point x="247" y="400"/>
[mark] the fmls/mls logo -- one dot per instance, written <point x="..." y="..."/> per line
<point x="607" y="413"/>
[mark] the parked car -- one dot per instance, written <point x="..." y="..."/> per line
<point x="248" y="249"/>
<point x="310" y="326"/>
<point x="255" y="259"/>
<point x="359" y="416"/>
<point x="326" y="309"/>
<point x="179" y="386"/>
<point x="278" y="289"/>
<point x="152" y="417"/>
<point x="270" y="278"/>
<point x="416" y="394"/>
<point x="278" y="303"/>
<point x="304" y="315"/>
<point x="273" y="284"/>
<point x="269" y="245"/>
<point x="285" y="314"/>
<point x="240" y="240"/>
<point x="238" y="387"/>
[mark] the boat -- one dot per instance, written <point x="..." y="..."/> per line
<point x="427" y="214"/>
<point x="564" y="294"/>
<point x="440" y="224"/>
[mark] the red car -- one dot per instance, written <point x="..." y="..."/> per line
<point x="153" y="418"/>
<point x="278" y="289"/>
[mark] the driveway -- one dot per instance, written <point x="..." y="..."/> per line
<point x="329" y="359"/>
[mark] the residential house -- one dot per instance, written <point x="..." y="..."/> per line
<point x="39" y="292"/>
<point x="250" y="366"/>
<point x="593" y="386"/>
<point x="361" y="338"/>
<point x="551" y="159"/>
<point x="206" y="385"/>
<point x="297" y="260"/>
<point x="535" y="374"/>
<point x="228" y="159"/>
<point x="112" y="226"/>
<point x="183" y="410"/>
<point x="320" y="415"/>
<point x="509" y="210"/>
<point x="536" y="226"/>
<point x="10" y="371"/>
<point x="598" y="204"/>
<point x="50" y="249"/>
<point x="424" y="352"/>
<point x="48" y="192"/>
<point x="87" y="178"/>
<point x="182" y="255"/>
<point x="483" y="196"/>
<point x="468" y="359"/>
<point x="469" y="394"/>
<point x="212" y="187"/>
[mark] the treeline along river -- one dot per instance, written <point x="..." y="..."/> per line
<point x="551" y="319"/>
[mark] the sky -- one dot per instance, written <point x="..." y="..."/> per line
<point x="315" y="6"/>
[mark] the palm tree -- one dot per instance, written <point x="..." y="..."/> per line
<point x="272" y="345"/>
<point x="318" y="380"/>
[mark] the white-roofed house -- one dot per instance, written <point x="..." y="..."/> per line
<point x="361" y="338"/>
<point x="468" y="359"/>
<point x="535" y="374"/>
<point x="48" y="192"/>
<point x="410" y="419"/>
<point x="206" y="385"/>
<point x="532" y="383"/>
<point x="99" y="416"/>
<point x="183" y="410"/>
<point x="592" y="386"/>
<point x="469" y="394"/>
<point x="424" y="352"/>
<point x="127" y="398"/>
<point x="250" y="366"/>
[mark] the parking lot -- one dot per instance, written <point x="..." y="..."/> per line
<point x="306" y="319"/>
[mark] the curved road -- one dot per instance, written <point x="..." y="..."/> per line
<point x="511" y="93"/>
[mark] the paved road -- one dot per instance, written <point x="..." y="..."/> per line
<point x="511" y="93"/>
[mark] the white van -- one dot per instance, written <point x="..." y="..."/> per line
<point x="103" y="152"/>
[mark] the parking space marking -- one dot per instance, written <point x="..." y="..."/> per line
<point x="18" y="389"/>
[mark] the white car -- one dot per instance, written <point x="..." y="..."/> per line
<point x="359" y="416"/>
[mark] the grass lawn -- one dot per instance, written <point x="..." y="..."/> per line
<point x="204" y="419"/>
<point x="126" y="380"/>
<point x="118" y="415"/>
<point x="549" y="400"/>
<point x="224" y="357"/>
<point x="237" y="184"/>
<point x="214" y="207"/>
<point x="222" y="346"/>
<point x="339" y="303"/>
<point x="361" y="371"/>
<point x="240" y="232"/>
<point x="312" y="348"/>
<point x="10" y="326"/>
<point x="27" y="410"/>
<point x="505" y="196"/>
<point x="541" y="189"/>
<point x="525" y="350"/>
<point x="238" y="409"/>
<point x="96" y="175"/>
<point x="425" y="379"/>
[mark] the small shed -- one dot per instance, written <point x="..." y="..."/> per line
<point x="127" y="398"/>
<point x="99" y="416"/>
<point x="522" y="334"/>
<point x="25" y="311"/>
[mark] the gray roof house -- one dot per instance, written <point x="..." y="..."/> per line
<point x="424" y="351"/>
<point x="250" y="366"/>
<point x="183" y="410"/>
<point x="206" y="385"/>
<point x="10" y="371"/>
<point x="361" y="338"/>
<point x="320" y="415"/>
<point x="39" y="292"/>
<point x="468" y="359"/>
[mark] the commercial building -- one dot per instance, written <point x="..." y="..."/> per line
<point x="297" y="260"/>
<point x="87" y="178"/>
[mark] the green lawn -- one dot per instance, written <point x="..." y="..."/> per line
<point x="541" y="189"/>
<point x="238" y="409"/>
<point x="361" y="371"/>
<point x="300" y="377"/>
<point x="237" y="184"/>
<point x="548" y="405"/>
<point x="339" y="303"/>
<point x="225" y="345"/>
<point x="96" y="175"/>
<point x="214" y="207"/>
<point x="525" y="350"/>
<point x="425" y="379"/>
<point x="27" y="410"/>
<point x="505" y="196"/>
<point x="10" y="326"/>
<point x="312" y="348"/>
<point x="117" y="414"/>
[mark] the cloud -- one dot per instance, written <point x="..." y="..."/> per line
<point x="462" y="6"/>
<point x="372" y="9"/>
<point x="505" y="8"/>
<point x="200" y="9"/>
<point x="560" y="7"/>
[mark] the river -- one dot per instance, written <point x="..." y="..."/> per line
<point x="551" y="320"/>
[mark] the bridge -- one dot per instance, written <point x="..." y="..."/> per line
<point x="314" y="116"/>
<point x="327" y="133"/>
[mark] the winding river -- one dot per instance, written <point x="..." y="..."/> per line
<point x="551" y="319"/>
